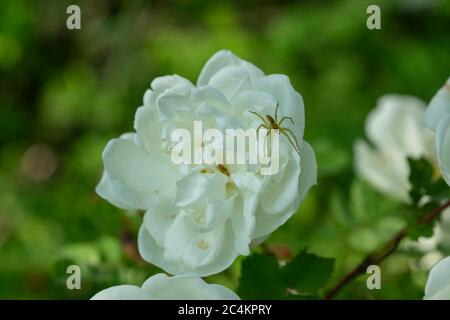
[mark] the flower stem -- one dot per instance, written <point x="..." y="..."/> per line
<point x="378" y="256"/>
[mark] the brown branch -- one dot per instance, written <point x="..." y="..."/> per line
<point x="378" y="256"/>
<point x="267" y="250"/>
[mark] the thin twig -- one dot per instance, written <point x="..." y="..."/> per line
<point x="267" y="250"/>
<point x="378" y="256"/>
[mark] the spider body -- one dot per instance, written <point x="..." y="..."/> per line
<point x="269" y="122"/>
<point x="272" y="122"/>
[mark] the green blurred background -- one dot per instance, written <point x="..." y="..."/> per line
<point x="64" y="94"/>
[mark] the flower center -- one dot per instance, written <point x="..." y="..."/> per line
<point x="202" y="244"/>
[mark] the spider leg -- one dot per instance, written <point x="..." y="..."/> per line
<point x="291" y="142"/>
<point x="265" y="145"/>
<point x="276" y="112"/>
<point x="285" y="118"/>
<point x="293" y="136"/>
<point x="277" y="132"/>
<point x="262" y="125"/>
<point x="285" y="132"/>
<point x="259" y="116"/>
<point x="257" y="129"/>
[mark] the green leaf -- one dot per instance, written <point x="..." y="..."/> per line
<point x="260" y="278"/>
<point x="424" y="230"/>
<point x="307" y="272"/>
<point x="439" y="191"/>
<point x="423" y="184"/>
<point x="417" y="230"/>
<point x="420" y="177"/>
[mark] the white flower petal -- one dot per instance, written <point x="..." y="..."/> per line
<point x="190" y="189"/>
<point x="439" y="106"/>
<point x="218" y="212"/>
<point x="149" y="130"/>
<point x="105" y="187"/>
<point x="134" y="178"/>
<point x="168" y="95"/>
<point x="387" y="172"/>
<point x="308" y="173"/>
<point x="225" y="121"/>
<point x="212" y="97"/>
<point x="222" y="59"/>
<point x="173" y="82"/>
<point x="231" y="80"/>
<point x="211" y="216"/>
<point x="283" y="187"/>
<point x="189" y="247"/>
<point x="268" y="222"/>
<point x="195" y="187"/>
<point x="158" y="220"/>
<point x="162" y="287"/>
<point x="438" y="283"/>
<point x="173" y="104"/>
<point x="151" y="252"/>
<point x="259" y="101"/>
<point x="243" y="220"/>
<point x="397" y="124"/>
<point x="105" y="190"/>
<point x="122" y="292"/>
<point x="443" y="147"/>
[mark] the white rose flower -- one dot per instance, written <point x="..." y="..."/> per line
<point x="397" y="131"/>
<point x="438" y="283"/>
<point x="162" y="287"/>
<point x="438" y="118"/>
<point x="199" y="218"/>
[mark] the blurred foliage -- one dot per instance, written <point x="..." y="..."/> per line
<point x="300" y="278"/>
<point x="69" y="92"/>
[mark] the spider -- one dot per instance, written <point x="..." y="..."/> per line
<point x="270" y="122"/>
